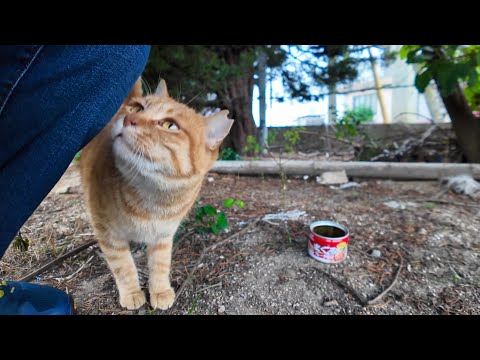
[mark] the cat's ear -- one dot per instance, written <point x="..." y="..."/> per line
<point x="162" y="89"/>
<point x="217" y="127"/>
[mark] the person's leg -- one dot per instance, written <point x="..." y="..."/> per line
<point x="53" y="101"/>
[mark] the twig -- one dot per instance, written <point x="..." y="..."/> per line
<point x="209" y="287"/>
<point x="205" y="251"/>
<point x="354" y="292"/>
<point x="445" y="202"/>
<point x="384" y="292"/>
<point x="69" y="277"/>
<point x="271" y="222"/>
<point x="55" y="210"/>
<point x="177" y="244"/>
<point x="347" y="142"/>
<point x="360" y="297"/>
<point x="58" y="260"/>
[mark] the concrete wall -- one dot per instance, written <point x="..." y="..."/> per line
<point x="312" y="139"/>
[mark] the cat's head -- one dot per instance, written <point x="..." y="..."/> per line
<point x="155" y="134"/>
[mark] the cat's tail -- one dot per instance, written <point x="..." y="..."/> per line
<point x="136" y="91"/>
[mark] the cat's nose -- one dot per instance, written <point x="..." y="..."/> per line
<point x="129" y="121"/>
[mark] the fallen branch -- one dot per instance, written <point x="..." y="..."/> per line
<point x="58" y="260"/>
<point x="384" y="292"/>
<point x="354" y="292"/>
<point x="407" y="147"/>
<point x="361" y="169"/>
<point x="206" y="250"/>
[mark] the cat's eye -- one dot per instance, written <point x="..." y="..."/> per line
<point x="170" y="125"/>
<point x="136" y="107"/>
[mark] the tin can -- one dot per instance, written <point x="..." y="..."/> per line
<point x="328" y="241"/>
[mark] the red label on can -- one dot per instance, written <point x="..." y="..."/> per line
<point x="325" y="249"/>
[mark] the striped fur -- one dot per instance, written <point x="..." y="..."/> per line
<point x="140" y="179"/>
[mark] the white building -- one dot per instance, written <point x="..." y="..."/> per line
<point x="403" y="103"/>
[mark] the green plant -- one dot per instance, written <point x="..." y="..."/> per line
<point x="455" y="70"/>
<point x="21" y="243"/>
<point x="253" y="147"/>
<point x="292" y="136"/>
<point x="77" y="156"/>
<point x="348" y="125"/>
<point x="271" y="136"/>
<point x="211" y="220"/>
<point x="429" y="205"/>
<point x="229" y="154"/>
<point x="228" y="203"/>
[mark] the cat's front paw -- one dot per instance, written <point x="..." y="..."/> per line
<point x="133" y="301"/>
<point x="162" y="300"/>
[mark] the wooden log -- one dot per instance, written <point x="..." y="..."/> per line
<point x="361" y="169"/>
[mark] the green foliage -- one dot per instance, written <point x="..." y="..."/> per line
<point x="228" y="203"/>
<point x="21" y="243"/>
<point x="77" y="156"/>
<point x="229" y="154"/>
<point x="447" y="65"/>
<point x="429" y="205"/>
<point x="306" y="73"/>
<point x="211" y="220"/>
<point x="195" y="71"/>
<point x="292" y="136"/>
<point x="348" y="125"/>
<point x="253" y="147"/>
<point x="271" y="136"/>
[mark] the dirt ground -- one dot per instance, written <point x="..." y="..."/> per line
<point x="430" y="241"/>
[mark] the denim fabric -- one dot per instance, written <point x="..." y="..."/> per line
<point x="53" y="101"/>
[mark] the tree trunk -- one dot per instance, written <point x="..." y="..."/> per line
<point x="464" y="123"/>
<point x="262" y="87"/>
<point x="378" y="85"/>
<point x="238" y="100"/>
<point x="332" y="92"/>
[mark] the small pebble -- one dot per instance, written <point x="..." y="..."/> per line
<point x="331" y="303"/>
<point x="376" y="253"/>
<point x="221" y="309"/>
<point x="210" y="179"/>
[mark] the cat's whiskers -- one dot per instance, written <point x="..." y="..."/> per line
<point x="147" y="87"/>
<point x="194" y="97"/>
<point x="138" y="163"/>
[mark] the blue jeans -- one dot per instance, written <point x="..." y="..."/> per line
<point x="53" y="101"/>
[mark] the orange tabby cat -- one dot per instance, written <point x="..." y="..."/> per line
<point x="141" y="175"/>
